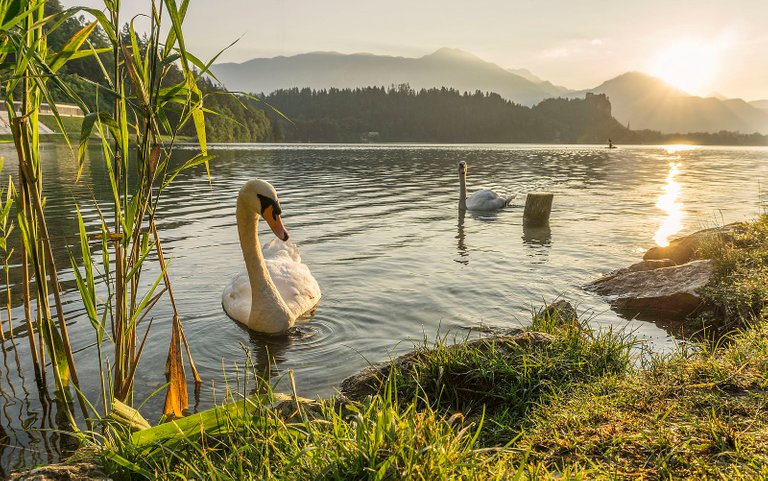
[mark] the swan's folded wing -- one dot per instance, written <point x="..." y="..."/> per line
<point x="236" y="298"/>
<point x="295" y="283"/>
<point x="485" y="199"/>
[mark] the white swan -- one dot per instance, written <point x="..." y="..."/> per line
<point x="484" y="199"/>
<point x="276" y="288"/>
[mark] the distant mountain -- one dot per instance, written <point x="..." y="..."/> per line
<point x="444" y="68"/>
<point x="645" y="102"/>
<point x="554" y="90"/>
<point x="638" y="100"/>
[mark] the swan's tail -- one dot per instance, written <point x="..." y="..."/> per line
<point x="509" y="199"/>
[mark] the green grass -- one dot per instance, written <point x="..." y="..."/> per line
<point x="506" y="377"/>
<point x="557" y="402"/>
<point x="695" y="415"/>
<point x="739" y="290"/>
<point x="71" y="125"/>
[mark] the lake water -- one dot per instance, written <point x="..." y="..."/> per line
<point x="378" y="226"/>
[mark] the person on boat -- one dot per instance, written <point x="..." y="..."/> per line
<point x="610" y="144"/>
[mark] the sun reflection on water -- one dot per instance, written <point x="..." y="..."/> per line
<point x="668" y="203"/>
<point x="675" y="148"/>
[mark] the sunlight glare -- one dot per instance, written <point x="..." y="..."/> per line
<point x="668" y="203"/>
<point x="673" y="149"/>
<point x="688" y="66"/>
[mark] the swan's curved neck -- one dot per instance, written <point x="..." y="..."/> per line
<point x="463" y="190"/>
<point x="269" y="313"/>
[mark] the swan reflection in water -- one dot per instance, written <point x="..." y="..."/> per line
<point x="461" y="244"/>
<point x="461" y="239"/>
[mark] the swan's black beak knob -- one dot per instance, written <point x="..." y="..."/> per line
<point x="276" y="224"/>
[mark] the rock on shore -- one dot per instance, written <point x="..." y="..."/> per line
<point x="667" y="284"/>
<point x="670" y="290"/>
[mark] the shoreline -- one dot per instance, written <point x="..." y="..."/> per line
<point x="555" y="400"/>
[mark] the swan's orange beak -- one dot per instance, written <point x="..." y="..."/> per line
<point x="275" y="223"/>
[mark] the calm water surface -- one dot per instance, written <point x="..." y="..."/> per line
<point x="379" y="228"/>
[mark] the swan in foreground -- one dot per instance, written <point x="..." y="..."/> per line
<point x="277" y="288"/>
<point x="484" y="199"/>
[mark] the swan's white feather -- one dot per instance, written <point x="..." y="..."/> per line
<point x="295" y="283"/>
<point x="292" y="278"/>
<point x="486" y="199"/>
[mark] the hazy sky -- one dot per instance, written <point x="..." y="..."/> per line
<point x="699" y="45"/>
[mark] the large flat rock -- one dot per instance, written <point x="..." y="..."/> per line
<point x="666" y="291"/>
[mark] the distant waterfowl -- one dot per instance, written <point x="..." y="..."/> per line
<point x="482" y="200"/>
<point x="277" y="288"/>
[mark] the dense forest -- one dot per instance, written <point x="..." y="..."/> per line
<point x="401" y="114"/>
<point x="377" y="114"/>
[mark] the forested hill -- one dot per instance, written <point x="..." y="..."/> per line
<point x="234" y="120"/>
<point x="440" y="115"/>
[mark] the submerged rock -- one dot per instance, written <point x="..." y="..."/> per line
<point x="665" y="291"/>
<point x="685" y="249"/>
<point x="62" y="472"/>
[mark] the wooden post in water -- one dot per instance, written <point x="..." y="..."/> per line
<point x="538" y="206"/>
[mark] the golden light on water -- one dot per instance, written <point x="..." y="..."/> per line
<point x="668" y="202"/>
<point x="673" y="149"/>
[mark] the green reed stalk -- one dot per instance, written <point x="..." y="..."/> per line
<point x="150" y="77"/>
<point x="27" y="67"/>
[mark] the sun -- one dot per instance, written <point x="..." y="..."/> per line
<point x="689" y="66"/>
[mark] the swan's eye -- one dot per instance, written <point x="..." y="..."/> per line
<point x="267" y="202"/>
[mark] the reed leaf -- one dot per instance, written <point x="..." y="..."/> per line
<point x="72" y="48"/>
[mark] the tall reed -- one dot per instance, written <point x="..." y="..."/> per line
<point x="27" y="68"/>
<point x="153" y="75"/>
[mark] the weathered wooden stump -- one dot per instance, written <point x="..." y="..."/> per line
<point x="538" y="206"/>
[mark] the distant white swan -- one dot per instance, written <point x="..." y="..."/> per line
<point x="277" y="288"/>
<point x="484" y="199"/>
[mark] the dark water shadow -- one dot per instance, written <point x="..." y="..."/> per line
<point x="684" y="327"/>
<point x="538" y="241"/>
<point x="267" y="352"/>
<point x="537" y="235"/>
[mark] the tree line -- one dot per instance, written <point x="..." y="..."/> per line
<point x="402" y="114"/>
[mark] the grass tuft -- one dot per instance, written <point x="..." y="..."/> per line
<point x="739" y="288"/>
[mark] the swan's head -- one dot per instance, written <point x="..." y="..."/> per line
<point x="259" y="197"/>
<point x="462" y="167"/>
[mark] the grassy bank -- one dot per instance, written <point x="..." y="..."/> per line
<point x="558" y="401"/>
<point x="738" y="292"/>
<point x="72" y="125"/>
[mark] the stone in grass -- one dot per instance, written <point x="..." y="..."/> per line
<point x="562" y="312"/>
<point x="685" y="249"/>
<point x="369" y="381"/>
